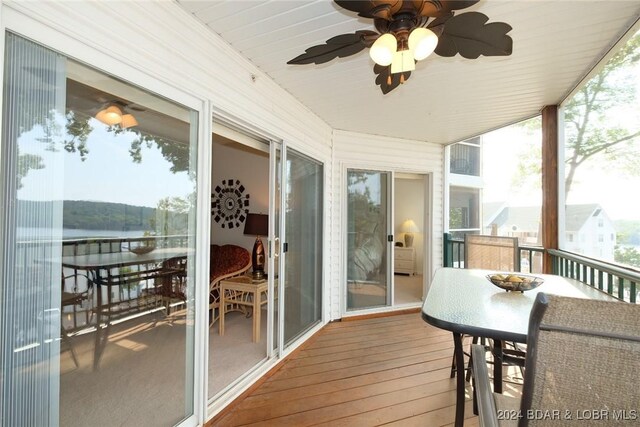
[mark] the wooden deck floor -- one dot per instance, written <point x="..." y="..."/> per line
<point x="382" y="371"/>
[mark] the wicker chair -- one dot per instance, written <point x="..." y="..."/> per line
<point x="225" y="261"/>
<point x="583" y="361"/>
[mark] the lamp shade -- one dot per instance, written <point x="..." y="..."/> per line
<point x="257" y="224"/>
<point x="383" y="49"/>
<point x="422" y="42"/>
<point x="409" y="227"/>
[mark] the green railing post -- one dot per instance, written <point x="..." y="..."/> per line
<point x="447" y="251"/>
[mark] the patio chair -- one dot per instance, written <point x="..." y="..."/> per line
<point x="582" y="361"/>
<point x="498" y="253"/>
<point x="75" y="299"/>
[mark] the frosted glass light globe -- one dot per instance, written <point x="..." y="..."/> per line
<point x="422" y="42"/>
<point x="383" y="49"/>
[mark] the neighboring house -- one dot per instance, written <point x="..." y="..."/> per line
<point x="589" y="231"/>
<point x="522" y="222"/>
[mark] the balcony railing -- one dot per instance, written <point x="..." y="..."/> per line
<point x="616" y="280"/>
<point x="529" y="257"/>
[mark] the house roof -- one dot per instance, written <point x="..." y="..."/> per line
<point x="527" y="218"/>
<point x="555" y="45"/>
<point x="519" y="218"/>
<point x="577" y="215"/>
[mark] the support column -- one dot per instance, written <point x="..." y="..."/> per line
<point x="549" y="183"/>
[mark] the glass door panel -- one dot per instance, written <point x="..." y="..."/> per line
<point x="98" y="247"/>
<point x="303" y="232"/>
<point x="368" y="213"/>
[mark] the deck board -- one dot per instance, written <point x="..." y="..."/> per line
<point x="390" y="370"/>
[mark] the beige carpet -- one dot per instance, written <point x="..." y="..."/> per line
<point x="140" y="380"/>
<point x="408" y="289"/>
<point x="234" y="353"/>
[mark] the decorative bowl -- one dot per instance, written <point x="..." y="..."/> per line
<point x="515" y="282"/>
<point x="145" y="248"/>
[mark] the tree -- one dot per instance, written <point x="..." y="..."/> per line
<point x="627" y="255"/>
<point x="589" y="129"/>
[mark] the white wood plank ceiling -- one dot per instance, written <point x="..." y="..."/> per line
<point x="555" y="44"/>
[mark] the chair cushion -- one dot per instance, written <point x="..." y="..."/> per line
<point x="227" y="259"/>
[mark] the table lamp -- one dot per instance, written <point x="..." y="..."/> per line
<point x="408" y="228"/>
<point x="257" y="225"/>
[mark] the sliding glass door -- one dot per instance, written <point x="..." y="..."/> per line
<point x="368" y="239"/>
<point x="303" y="212"/>
<point x="97" y="304"/>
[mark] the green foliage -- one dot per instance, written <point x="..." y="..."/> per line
<point x="589" y="128"/>
<point x="627" y="255"/>
<point x="86" y="215"/>
<point x="172" y="215"/>
<point x="27" y="162"/>
<point x="627" y="232"/>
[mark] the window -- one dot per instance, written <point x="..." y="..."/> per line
<point x="601" y="148"/>
<point x="569" y="237"/>
<point x="106" y="171"/>
<point x="465" y="158"/>
<point x="464" y="211"/>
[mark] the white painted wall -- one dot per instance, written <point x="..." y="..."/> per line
<point x="252" y="169"/>
<point x="356" y="150"/>
<point x="409" y="204"/>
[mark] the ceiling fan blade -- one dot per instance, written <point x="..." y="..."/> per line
<point x="382" y="78"/>
<point x="336" y="47"/>
<point x="437" y="25"/>
<point x="469" y="35"/>
<point x="372" y="8"/>
<point x="436" y="8"/>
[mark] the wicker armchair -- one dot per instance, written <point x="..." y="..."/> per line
<point x="582" y="361"/>
<point x="224" y="262"/>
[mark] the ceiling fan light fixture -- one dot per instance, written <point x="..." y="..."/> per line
<point x="128" y="121"/>
<point x="383" y="50"/>
<point x="403" y="62"/>
<point x="422" y="41"/>
<point x="110" y="116"/>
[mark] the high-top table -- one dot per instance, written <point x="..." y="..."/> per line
<point x="464" y="301"/>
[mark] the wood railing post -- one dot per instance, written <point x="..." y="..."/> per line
<point x="549" y="183"/>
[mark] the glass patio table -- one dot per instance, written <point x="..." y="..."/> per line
<point x="99" y="267"/>
<point x="464" y="301"/>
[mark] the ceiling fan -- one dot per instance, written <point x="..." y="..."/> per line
<point x="409" y="31"/>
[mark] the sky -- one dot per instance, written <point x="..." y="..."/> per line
<point x="595" y="181"/>
<point x="108" y="174"/>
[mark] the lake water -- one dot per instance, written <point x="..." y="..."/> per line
<point x="72" y="233"/>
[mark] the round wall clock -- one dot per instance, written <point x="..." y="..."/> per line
<point x="229" y="204"/>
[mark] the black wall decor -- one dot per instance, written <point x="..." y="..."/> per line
<point x="229" y="204"/>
